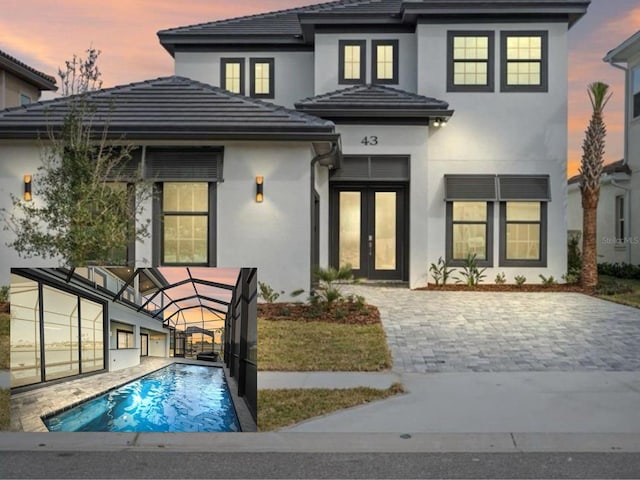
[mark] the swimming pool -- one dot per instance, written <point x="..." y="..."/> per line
<point x="177" y="398"/>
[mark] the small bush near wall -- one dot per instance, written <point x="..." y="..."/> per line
<point x="619" y="270"/>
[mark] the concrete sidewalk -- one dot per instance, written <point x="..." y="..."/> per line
<point x="543" y="402"/>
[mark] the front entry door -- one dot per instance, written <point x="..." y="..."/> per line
<point x="368" y="230"/>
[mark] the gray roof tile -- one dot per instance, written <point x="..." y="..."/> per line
<point x="373" y="101"/>
<point x="24" y="71"/>
<point x="168" y="107"/>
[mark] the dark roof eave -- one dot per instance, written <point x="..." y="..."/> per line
<point x="132" y="134"/>
<point x="574" y="12"/>
<point x="320" y="111"/>
<point x="27" y="75"/>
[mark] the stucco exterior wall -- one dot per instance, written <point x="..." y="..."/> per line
<point x="327" y="59"/>
<point x="499" y="133"/>
<point x="633" y="148"/>
<point x="608" y="251"/>
<point x="11" y="87"/>
<point x="293" y="80"/>
<point x="410" y="141"/>
<point x="274" y="235"/>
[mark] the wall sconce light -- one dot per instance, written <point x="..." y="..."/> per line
<point x="259" y="188"/>
<point x="440" y="122"/>
<point x="27" y="188"/>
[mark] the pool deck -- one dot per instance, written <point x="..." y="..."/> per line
<point x="28" y="407"/>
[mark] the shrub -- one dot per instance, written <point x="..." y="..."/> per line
<point x="471" y="275"/>
<point x="620" y="270"/>
<point x="440" y="272"/>
<point x="328" y="291"/>
<point x="520" y="280"/>
<point x="267" y="293"/>
<point x="501" y="279"/>
<point x="574" y="256"/>
<point x="571" y="278"/>
<point x="547" y="282"/>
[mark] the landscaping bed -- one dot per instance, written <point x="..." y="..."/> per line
<point x="341" y="312"/>
<point x="284" y="407"/>
<point x="490" y="287"/>
<point x="4" y="341"/>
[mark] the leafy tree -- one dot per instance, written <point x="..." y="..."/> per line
<point x="590" y="173"/>
<point x="85" y="207"/>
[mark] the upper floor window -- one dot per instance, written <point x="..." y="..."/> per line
<point x="470" y="61"/>
<point x="25" y="99"/>
<point x="524" y="61"/>
<point x="635" y="92"/>
<point x="263" y="77"/>
<point x="232" y="74"/>
<point x="352" y="61"/>
<point x="385" y="61"/>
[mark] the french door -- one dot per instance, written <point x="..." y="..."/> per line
<point x="368" y="230"/>
<point x="144" y="345"/>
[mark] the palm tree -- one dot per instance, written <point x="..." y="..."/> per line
<point x="590" y="172"/>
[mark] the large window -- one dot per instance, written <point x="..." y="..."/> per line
<point x="385" y="61"/>
<point x="523" y="233"/>
<point x="262" y="77"/>
<point x="470" y="66"/>
<point x="469" y="231"/>
<point x="185" y="212"/>
<point x="54" y="333"/>
<point x="635" y="92"/>
<point x="232" y="74"/>
<point x="352" y="61"/>
<point x="524" y="61"/>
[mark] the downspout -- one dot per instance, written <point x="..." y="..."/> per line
<point x="628" y="193"/>
<point x="334" y="150"/>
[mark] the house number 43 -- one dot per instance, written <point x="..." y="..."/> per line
<point x="370" y="141"/>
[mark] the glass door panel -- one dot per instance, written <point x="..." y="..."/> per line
<point x="60" y="333"/>
<point x="144" y="345"/>
<point x="349" y="231"/>
<point x="385" y="231"/>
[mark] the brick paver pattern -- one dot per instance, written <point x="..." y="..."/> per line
<point x="431" y="331"/>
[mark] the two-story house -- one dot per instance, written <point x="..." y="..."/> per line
<point x="21" y="84"/>
<point x="380" y="133"/>
<point x="618" y="227"/>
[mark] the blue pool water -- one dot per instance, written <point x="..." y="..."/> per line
<point x="177" y="398"/>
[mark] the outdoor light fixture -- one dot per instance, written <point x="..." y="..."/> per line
<point x="259" y="188"/>
<point x="440" y="122"/>
<point x="27" y="188"/>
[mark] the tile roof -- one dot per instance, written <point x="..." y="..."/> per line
<point x="289" y="23"/>
<point x="168" y="108"/>
<point x="608" y="169"/>
<point x="373" y="101"/>
<point x="282" y="22"/>
<point x="27" y="73"/>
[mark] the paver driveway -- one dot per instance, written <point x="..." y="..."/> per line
<point x="432" y="331"/>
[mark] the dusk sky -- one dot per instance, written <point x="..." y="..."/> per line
<point x="44" y="34"/>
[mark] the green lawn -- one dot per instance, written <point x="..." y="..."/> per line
<point x="609" y="287"/>
<point x="5" y="411"/>
<point x="280" y="408"/>
<point x="289" y="345"/>
<point x="4" y="341"/>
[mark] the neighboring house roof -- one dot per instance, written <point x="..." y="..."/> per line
<point x="40" y="80"/>
<point x="170" y="108"/>
<point x="627" y="49"/>
<point x="608" y="169"/>
<point x="296" y="26"/>
<point x="370" y="101"/>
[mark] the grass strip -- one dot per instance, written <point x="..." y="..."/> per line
<point x="284" y="407"/>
